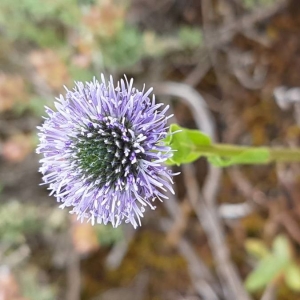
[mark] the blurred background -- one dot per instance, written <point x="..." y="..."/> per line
<point x="228" y="67"/>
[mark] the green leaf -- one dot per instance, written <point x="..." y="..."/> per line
<point x="272" y="265"/>
<point x="257" y="248"/>
<point x="190" y="37"/>
<point x="292" y="277"/>
<point x="282" y="248"/>
<point x="267" y="270"/>
<point x="249" y="156"/>
<point x="188" y="135"/>
<point x="184" y="141"/>
<point x="109" y="235"/>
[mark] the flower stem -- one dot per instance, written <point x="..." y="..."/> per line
<point x="229" y="151"/>
<point x="285" y="155"/>
<point x="190" y="144"/>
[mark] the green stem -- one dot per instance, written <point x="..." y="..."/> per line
<point x="285" y="155"/>
<point x="189" y="145"/>
<point x="226" y="150"/>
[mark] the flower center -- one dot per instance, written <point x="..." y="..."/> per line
<point x="108" y="151"/>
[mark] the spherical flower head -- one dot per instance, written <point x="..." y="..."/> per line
<point x="103" y="151"/>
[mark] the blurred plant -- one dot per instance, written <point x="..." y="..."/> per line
<point x="17" y="220"/>
<point x="105" y="18"/>
<point x="28" y="219"/>
<point x="31" y="286"/>
<point x="118" y="44"/>
<point x="84" y="237"/>
<point x="122" y="50"/>
<point x="50" y="68"/>
<point x="190" y="37"/>
<point x="18" y="147"/>
<point x="250" y="4"/>
<point x="9" y="287"/>
<point x="33" y="21"/>
<point x="89" y="34"/>
<point x="108" y="235"/>
<point x="130" y="45"/>
<point x="87" y="238"/>
<point x="187" y="38"/>
<point x="273" y="264"/>
<point x="105" y="38"/>
<point x="36" y="105"/>
<point x="12" y="91"/>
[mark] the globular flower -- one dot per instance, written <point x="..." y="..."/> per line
<point x="103" y="151"/>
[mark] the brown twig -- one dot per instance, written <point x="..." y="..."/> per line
<point x="73" y="275"/>
<point x="286" y="220"/>
<point x="226" y="32"/>
<point x="250" y="193"/>
<point x="194" y="101"/>
<point x="180" y="223"/>
<point x="270" y="292"/>
<point x="201" y="277"/>
<point x="199" y="70"/>
<point x="118" y="252"/>
<point x="203" y="280"/>
<point x="207" y="214"/>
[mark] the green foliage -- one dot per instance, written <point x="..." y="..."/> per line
<point x="187" y="38"/>
<point x="37" y="21"/>
<point x="190" y="37"/>
<point x="31" y="287"/>
<point x="268" y="269"/>
<point x="16" y="220"/>
<point x="51" y="24"/>
<point x="19" y="219"/>
<point x="130" y="45"/>
<point x="251" y="4"/>
<point x="272" y="264"/>
<point x="282" y="248"/>
<point x="122" y="50"/>
<point x="108" y="235"/>
<point x="36" y="105"/>
<point x="256" y="248"/>
<point x="292" y="277"/>
<point x="81" y="74"/>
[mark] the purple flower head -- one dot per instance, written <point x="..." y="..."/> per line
<point x="102" y="151"/>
